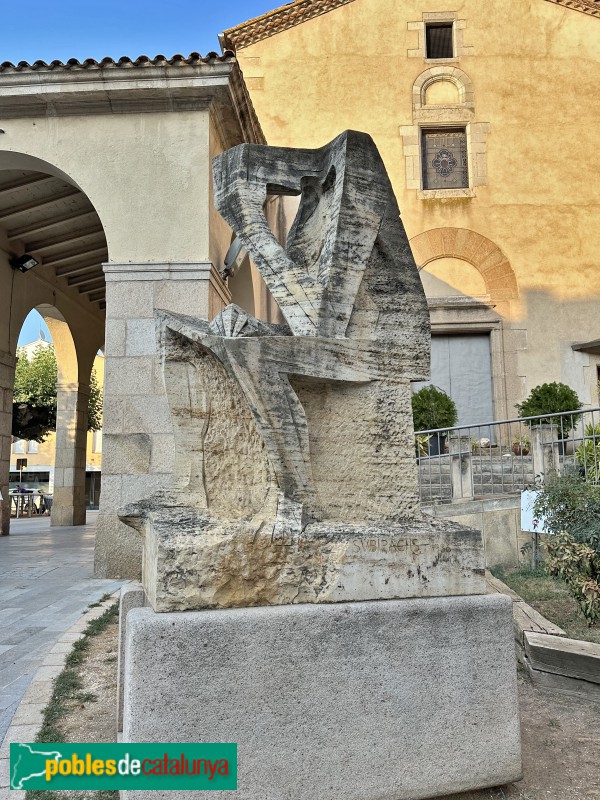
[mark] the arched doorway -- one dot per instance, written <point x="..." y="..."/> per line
<point x="470" y="286"/>
<point x="52" y="247"/>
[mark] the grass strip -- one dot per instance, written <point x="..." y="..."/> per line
<point x="550" y="596"/>
<point x="67" y="688"/>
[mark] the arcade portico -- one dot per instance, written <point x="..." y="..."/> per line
<point x="105" y="180"/>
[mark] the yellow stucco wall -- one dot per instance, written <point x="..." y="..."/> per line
<point x="145" y="174"/>
<point x="45" y="455"/>
<point x="535" y="71"/>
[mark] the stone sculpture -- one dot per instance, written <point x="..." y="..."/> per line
<point x="295" y="490"/>
<point x="295" y="453"/>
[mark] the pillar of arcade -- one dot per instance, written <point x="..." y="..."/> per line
<point x="69" y="503"/>
<point x="7" y="379"/>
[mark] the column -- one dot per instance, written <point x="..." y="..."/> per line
<point x="461" y="467"/>
<point x="7" y="381"/>
<point x="69" y="504"/>
<point x="543" y="452"/>
<point x="138" y="448"/>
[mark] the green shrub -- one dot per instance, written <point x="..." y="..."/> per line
<point x="578" y="565"/>
<point x="552" y="398"/>
<point x="588" y="453"/>
<point x="570" y="507"/>
<point x="432" y="409"/>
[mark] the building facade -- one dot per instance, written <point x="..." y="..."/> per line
<point x="484" y="116"/>
<point x="105" y="179"/>
<point x="40" y="456"/>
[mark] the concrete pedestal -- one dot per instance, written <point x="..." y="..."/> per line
<point x="395" y="699"/>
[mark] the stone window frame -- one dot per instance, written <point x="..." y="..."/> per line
<point x="458" y="26"/>
<point x="451" y="115"/>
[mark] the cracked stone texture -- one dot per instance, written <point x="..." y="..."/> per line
<point x="295" y="442"/>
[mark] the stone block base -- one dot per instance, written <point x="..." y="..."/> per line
<point x="398" y="699"/>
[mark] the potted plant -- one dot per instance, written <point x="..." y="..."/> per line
<point x="588" y="454"/>
<point x="521" y="445"/>
<point x="421" y="445"/>
<point x="552" y="398"/>
<point x="432" y="408"/>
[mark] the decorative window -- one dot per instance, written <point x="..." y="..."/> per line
<point x="444" y="159"/>
<point x="445" y="149"/>
<point x="439" y="40"/>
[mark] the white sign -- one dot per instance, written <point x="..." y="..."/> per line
<point x="529" y="521"/>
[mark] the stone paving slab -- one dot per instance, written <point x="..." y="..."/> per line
<point x="27" y="718"/>
<point x="46" y="583"/>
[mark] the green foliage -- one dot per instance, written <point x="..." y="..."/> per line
<point x="34" y="399"/>
<point x="422" y="444"/>
<point x="571" y="510"/>
<point x="569" y="503"/>
<point x="94" y="404"/>
<point x="588" y="453"/>
<point x="432" y="409"/>
<point x="551" y="398"/>
<point x="578" y="565"/>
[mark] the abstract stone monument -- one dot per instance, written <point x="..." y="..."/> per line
<point x="328" y="621"/>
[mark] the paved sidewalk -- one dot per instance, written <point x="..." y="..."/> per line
<point x="45" y="585"/>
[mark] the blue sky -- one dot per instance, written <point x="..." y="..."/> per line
<point x="63" y="29"/>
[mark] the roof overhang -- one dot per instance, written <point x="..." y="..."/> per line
<point x="276" y="21"/>
<point x="298" y="11"/>
<point x="125" y="87"/>
<point x="592" y="347"/>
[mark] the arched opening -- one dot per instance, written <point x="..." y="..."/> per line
<point x="452" y="277"/>
<point x="49" y="223"/>
<point x="470" y="285"/>
<point x="441" y="93"/>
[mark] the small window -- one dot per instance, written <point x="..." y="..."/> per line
<point x="19" y="446"/>
<point x="438" y="40"/>
<point x="444" y="159"/>
<point x="33" y="447"/>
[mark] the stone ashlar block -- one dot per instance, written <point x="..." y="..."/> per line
<point x="127" y="453"/>
<point x="399" y="699"/>
<point x="132" y="596"/>
<point x="239" y="564"/>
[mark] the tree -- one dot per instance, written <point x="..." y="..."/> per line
<point x="550" y="398"/>
<point x="34" y="399"/>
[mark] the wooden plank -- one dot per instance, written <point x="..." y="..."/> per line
<point x="525" y="617"/>
<point x="568" y="657"/>
<point x="532" y="620"/>
<point x="497" y="586"/>
<point x="560" y="683"/>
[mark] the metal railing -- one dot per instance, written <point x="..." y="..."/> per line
<point x="492" y="459"/>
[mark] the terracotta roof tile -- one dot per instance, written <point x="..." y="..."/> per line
<point x="591" y="7"/>
<point x="122" y="63"/>
<point x="287" y="16"/>
<point x="276" y="21"/>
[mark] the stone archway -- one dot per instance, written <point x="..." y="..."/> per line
<point x="468" y="245"/>
<point x="44" y="213"/>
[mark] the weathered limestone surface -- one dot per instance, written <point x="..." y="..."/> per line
<point x="295" y="476"/>
<point x="132" y="596"/>
<point x="294" y="501"/>
<point x="356" y="701"/>
<point x="196" y="562"/>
